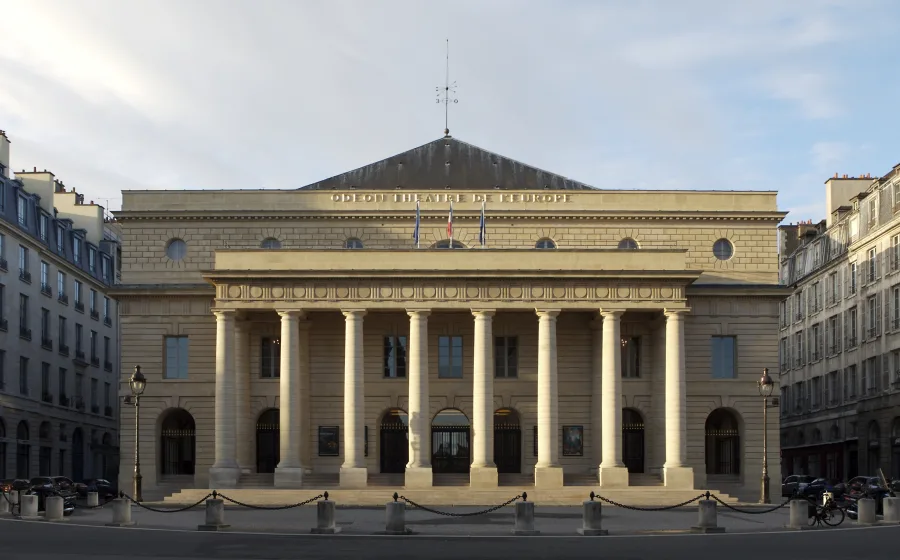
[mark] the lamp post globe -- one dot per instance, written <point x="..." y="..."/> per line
<point x="138" y="383"/>
<point x="765" y="385"/>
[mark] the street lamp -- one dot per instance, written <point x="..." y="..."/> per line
<point x="765" y="386"/>
<point x="138" y="384"/>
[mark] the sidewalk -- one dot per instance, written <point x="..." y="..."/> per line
<point x="367" y="521"/>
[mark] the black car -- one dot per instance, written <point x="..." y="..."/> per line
<point x="44" y="487"/>
<point x="101" y="486"/>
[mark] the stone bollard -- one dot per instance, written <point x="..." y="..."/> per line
<point x="14" y="498"/>
<point x="707" y="518"/>
<point x="891" y="510"/>
<point x="28" y="506"/>
<point x="215" y="515"/>
<point x="865" y="511"/>
<point x="395" y="521"/>
<point x="799" y="515"/>
<point x="5" y="505"/>
<point x="53" y="509"/>
<point x="325" y="524"/>
<point x="590" y="519"/>
<point x="524" y="524"/>
<point x="93" y="499"/>
<point x="121" y="513"/>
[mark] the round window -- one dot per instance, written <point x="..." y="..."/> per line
<point x="545" y="243"/>
<point x="270" y="243"/>
<point x="176" y="249"/>
<point x="723" y="249"/>
<point x="353" y="243"/>
<point x="628" y="243"/>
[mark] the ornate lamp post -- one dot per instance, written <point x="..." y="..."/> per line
<point x="765" y="386"/>
<point x="138" y="384"/>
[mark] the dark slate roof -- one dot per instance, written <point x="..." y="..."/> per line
<point x="448" y="162"/>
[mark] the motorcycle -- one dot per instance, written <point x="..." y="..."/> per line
<point x="877" y="494"/>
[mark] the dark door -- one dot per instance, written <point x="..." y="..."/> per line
<point x="394" y="450"/>
<point x="268" y="441"/>
<point x="77" y="456"/>
<point x="450" y="449"/>
<point x="508" y="448"/>
<point x="633" y="441"/>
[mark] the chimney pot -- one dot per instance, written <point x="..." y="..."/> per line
<point x="35" y="168"/>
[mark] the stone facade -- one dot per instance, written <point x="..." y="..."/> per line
<point x="258" y="269"/>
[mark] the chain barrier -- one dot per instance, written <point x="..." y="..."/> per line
<point x="750" y="512"/>
<point x="12" y="506"/>
<point x="523" y="496"/>
<point x="636" y="508"/>
<point x="269" y="508"/>
<point x="160" y="510"/>
<point x="98" y="506"/>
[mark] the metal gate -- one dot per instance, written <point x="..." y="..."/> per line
<point x="268" y="441"/>
<point x="394" y="450"/>
<point x="450" y="449"/>
<point x="633" y="441"/>
<point x="508" y="448"/>
<point x="723" y="451"/>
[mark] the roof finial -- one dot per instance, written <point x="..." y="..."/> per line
<point x="448" y="89"/>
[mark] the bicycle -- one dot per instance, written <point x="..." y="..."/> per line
<point x="828" y="513"/>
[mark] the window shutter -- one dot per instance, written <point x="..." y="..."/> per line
<point x="828" y="351"/>
<point x="821" y="295"/>
<point x="865" y="320"/>
<point x="820" y="343"/>
<point x="877" y="313"/>
<point x="885" y="371"/>
<point x="839" y="295"/>
<point x="846" y="328"/>
<point x="838" y="341"/>
<point x="860" y="275"/>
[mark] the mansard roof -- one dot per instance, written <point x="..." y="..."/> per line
<point x="448" y="163"/>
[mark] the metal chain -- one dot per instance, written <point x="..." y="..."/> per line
<point x="636" y="508"/>
<point x="451" y="514"/>
<point x="752" y="512"/>
<point x="12" y="506"/>
<point x="157" y="510"/>
<point x="270" y="508"/>
<point x="98" y="506"/>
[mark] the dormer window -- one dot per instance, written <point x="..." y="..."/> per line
<point x="104" y="267"/>
<point x="76" y="249"/>
<point x="22" y="211"/>
<point x="60" y="239"/>
<point x="44" y="227"/>
<point x="92" y="260"/>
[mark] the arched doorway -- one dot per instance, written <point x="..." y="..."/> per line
<point x="507" y="441"/>
<point x="394" y="441"/>
<point x="895" y="449"/>
<point x="874" y="447"/>
<point x="23" y="451"/>
<point x="2" y="450"/>
<point x="633" y="440"/>
<point x="450" y="442"/>
<point x="178" y="443"/>
<point x="268" y="440"/>
<point x="78" y="455"/>
<point x="723" y="443"/>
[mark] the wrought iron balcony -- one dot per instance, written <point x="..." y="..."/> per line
<point x="46" y="343"/>
<point x="107" y="365"/>
<point x="95" y="409"/>
<point x="95" y="361"/>
<point x="63" y="299"/>
<point x="63" y="349"/>
<point x="108" y="411"/>
<point x="24" y="275"/>
<point x="95" y="315"/>
<point x="107" y="321"/>
<point x="24" y="332"/>
<point x="47" y="290"/>
<point x="79" y="357"/>
<point x="79" y="306"/>
<point x="4" y="265"/>
<point x="63" y="401"/>
<point x="47" y="398"/>
<point x="4" y="325"/>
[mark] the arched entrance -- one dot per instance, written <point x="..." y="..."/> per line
<point x="177" y="443"/>
<point x="78" y="455"/>
<point x="507" y="441"/>
<point x="874" y="447"/>
<point x="723" y="443"/>
<point x="268" y="440"/>
<point x="23" y="451"/>
<point x="394" y="441"/>
<point x="633" y="440"/>
<point x="450" y="442"/>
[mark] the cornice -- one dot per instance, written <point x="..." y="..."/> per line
<point x="124" y="291"/>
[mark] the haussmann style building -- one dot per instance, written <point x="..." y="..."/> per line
<point x="300" y="338"/>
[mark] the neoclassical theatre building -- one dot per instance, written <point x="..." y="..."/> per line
<point x="302" y="338"/>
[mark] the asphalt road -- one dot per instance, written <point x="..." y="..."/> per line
<point x="39" y="541"/>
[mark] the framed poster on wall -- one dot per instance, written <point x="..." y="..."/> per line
<point x="573" y="441"/>
<point x="329" y="441"/>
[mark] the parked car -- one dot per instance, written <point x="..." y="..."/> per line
<point x="44" y="487"/>
<point x="876" y="493"/>
<point x="14" y="484"/>
<point x="64" y="484"/>
<point x="101" y="486"/>
<point x="815" y="489"/>
<point x="860" y="485"/>
<point x="795" y="484"/>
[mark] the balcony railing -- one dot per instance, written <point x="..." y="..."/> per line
<point x="79" y="404"/>
<point x="870" y="333"/>
<point x="24" y="333"/>
<point x="79" y="306"/>
<point x="46" y="343"/>
<point x="63" y="299"/>
<point x="47" y="398"/>
<point x="108" y="411"/>
<point x="47" y="290"/>
<point x="4" y="265"/>
<point x="4" y="325"/>
<point x="107" y="321"/>
<point x="95" y="361"/>
<point x="63" y="401"/>
<point x="24" y="275"/>
<point x="79" y="357"/>
<point x="95" y="315"/>
<point x="107" y="365"/>
<point x="95" y="408"/>
<point x="895" y="323"/>
<point x="63" y="349"/>
<point x="851" y="342"/>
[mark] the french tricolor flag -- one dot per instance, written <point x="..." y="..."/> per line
<point x="450" y="225"/>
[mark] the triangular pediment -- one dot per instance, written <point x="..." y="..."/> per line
<point x="448" y="163"/>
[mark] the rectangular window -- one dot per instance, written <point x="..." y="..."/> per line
<point x="45" y="380"/>
<point x="63" y="387"/>
<point x="895" y="362"/>
<point x="92" y="301"/>
<point x="895" y="252"/>
<point x="895" y="308"/>
<point x="45" y="276"/>
<point x="3" y="250"/>
<point x="104" y="268"/>
<point x="22" y="211"/>
<point x="23" y="263"/>
<point x="60" y="240"/>
<point x="815" y="348"/>
<point x="724" y="357"/>
<point x="44" y="226"/>
<point x="851" y="327"/>
<point x="45" y="326"/>
<point x="106" y="360"/>
<point x="78" y="300"/>
<point x="76" y="249"/>
<point x="270" y="358"/>
<point x="871" y="317"/>
<point x="95" y="357"/>
<point x="783" y="358"/>
<point x="62" y="333"/>
<point x="106" y="401"/>
<point x="798" y="349"/>
<point x="630" y="349"/>
<point x="834" y="338"/>
<point x="79" y="333"/>
<point x="833" y="288"/>
<point x="2" y="370"/>
<point x="61" y="285"/>
<point x="395" y="356"/>
<point x="450" y="356"/>
<point x="176" y="357"/>
<point x="106" y="317"/>
<point x="23" y="375"/>
<point x="79" y="386"/>
<point x="872" y="268"/>
<point x="854" y="275"/>
<point x="816" y="391"/>
<point x="23" y="315"/>
<point x="95" y="405"/>
<point x="506" y="356"/>
<point x="92" y="260"/>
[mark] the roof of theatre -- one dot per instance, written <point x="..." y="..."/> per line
<point x="448" y="163"/>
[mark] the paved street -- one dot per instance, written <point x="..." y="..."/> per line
<point x="40" y="541"/>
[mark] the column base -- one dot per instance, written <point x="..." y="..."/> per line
<point x="483" y="477"/>
<point x="224" y="477"/>
<point x="680" y="478"/>
<point x="418" y="477"/>
<point x="289" y="477"/>
<point x="613" y="477"/>
<point x="548" y="477"/>
<point x="354" y="477"/>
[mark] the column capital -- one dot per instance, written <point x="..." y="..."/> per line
<point x="354" y="313"/>
<point x="676" y="313"/>
<point x="291" y="313"/>
<point x="225" y="314"/>
<point x="418" y="312"/>
<point x="484" y="312"/>
<point x="547" y="312"/>
<point x="611" y="313"/>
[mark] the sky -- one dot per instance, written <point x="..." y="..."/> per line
<point x="694" y="94"/>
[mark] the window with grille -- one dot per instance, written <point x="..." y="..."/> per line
<point x="270" y="357"/>
<point x="396" y="359"/>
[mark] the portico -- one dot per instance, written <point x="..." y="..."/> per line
<point x="477" y="283"/>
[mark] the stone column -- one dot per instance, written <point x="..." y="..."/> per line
<point x="596" y="427"/>
<point x="225" y="472"/>
<point x="418" y="470"/>
<point x="547" y="472"/>
<point x="353" y="472"/>
<point x="613" y="473"/>
<point x="483" y="472"/>
<point x="245" y="424"/>
<point x="289" y="472"/>
<point x="303" y="437"/>
<point x="676" y="473"/>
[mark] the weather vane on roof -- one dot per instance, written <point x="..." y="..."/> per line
<point x="448" y="89"/>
